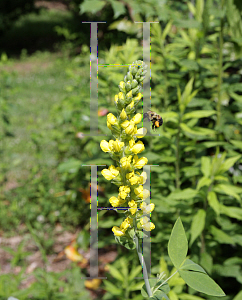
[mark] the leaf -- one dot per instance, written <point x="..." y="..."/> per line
<point x="238" y="296"/>
<point x="70" y="166"/>
<point x="166" y="30"/>
<point x="189" y="265"/>
<point x="232" y="212"/>
<point x="126" y="242"/>
<point x="134" y="272"/>
<point x="204" y="181"/>
<point x="184" y="194"/>
<point x="115" y="273"/>
<point x="178" y="245"/>
<point x="198" y="114"/>
<point x="229" y="163"/>
<point x="198" y="224"/>
<point x="237" y="144"/>
<point x="213" y="202"/>
<point x="202" y="283"/>
<point x="92" y="6"/>
<point x="110" y="287"/>
<point x="197" y="130"/>
<point x="118" y="8"/>
<point x="206" y="166"/>
<point x="220" y="236"/>
<point x="227" y="189"/>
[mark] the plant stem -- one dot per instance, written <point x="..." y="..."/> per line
<point x="220" y="70"/>
<point x="165" y="281"/>
<point x="177" y="158"/>
<point x="142" y="262"/>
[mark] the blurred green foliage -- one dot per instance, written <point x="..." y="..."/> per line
<point x="196" y="88"/>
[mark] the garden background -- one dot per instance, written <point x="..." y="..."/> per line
<point x="196" y="60"/>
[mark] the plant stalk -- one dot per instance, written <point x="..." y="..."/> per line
<point x="142" y="262"/>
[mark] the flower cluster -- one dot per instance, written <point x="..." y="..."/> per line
<point x="124" y="149"/>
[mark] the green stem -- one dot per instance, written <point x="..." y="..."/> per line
<point x="178" y="158"/>
<point x="220" y="71"/>
<point x="142" y="262"/>
<point x="165" y="281"/>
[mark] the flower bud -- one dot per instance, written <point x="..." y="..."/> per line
<point x="122" y="86"/>
<point x="123" y="114"/>
<point x="118" y="231"/>
<point x="128" y="86"/>
<point x="133" y="207"/>
<point x="134" y="83"/>
<point x="147" y="209"/>
<point x="138" y="147"/>
<point x="126" y="162"/>
<point x="117" y="145"/>
<point x="129" y="76"/>
<point x="140" y="162"/>
<point x="141" y="132"/>
<point x="146" y="224"/>
<point x="137" y="118"/>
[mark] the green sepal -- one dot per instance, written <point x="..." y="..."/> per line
<point x="126" y="242"/>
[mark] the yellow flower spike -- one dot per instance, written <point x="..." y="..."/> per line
<point x="137" y="118"/>
<point x="106" y="146"/>
<point x="117" y="145"/>
<point x="138" y="147"/>
<point x="126" y="162"/>
<point x="141" y="132"/>
<point x="124" y="191"/>
<point x="123" y="114"/>
<point x="110" y="173"/>
<point x="133" y="207"/>
<point x="141" y="162"/>
<point x="147" y="209"/>
<point x="143" y="178"/>
<point x="118" y="231"/>
<point x="112" y="119"/>
<point x="129" y="94"/>
<point x="114" y="201"/>
<point x="146" y="224"/>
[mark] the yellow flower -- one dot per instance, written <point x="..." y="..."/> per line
<point x="126" y="162"/>
<point x="146" y="224"/>
<point x="138" y="147"/>
<point x="114" y="201"/>
<point x="123" y="191"/>
<point x="126" y="223"/>
<point x="109" y="125"/>
<point x="147" y="209"/>
<point x="131" y="143"/>
<point x="93" y="284"/>
<point x="106" y="146"/>
<point x="118" y="231"/>
<point x="133" y="207"/>
<point x="140" y="162"/>
<point x="133" y="179"/>
<point x="112" y="119"/>
<point x="110" y="173"/>
<point x="129" y="94"/>
<point x="137" y="118"/>
<point x="142" y="178"/>
<point x="129" y="127"/>
<point x="137" y="98"/>
<point x="123" y="114"/>
<point x="141" y="132"/>
<point x="141" y="192"/>
<point x="122" y="85"/>
<point x="117" y="145"/>
<point x="116" y="98"/>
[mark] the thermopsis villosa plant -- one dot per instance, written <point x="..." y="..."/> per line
<point x="124" y="149"/>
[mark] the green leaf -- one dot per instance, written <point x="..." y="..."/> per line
<point x="198" y="114"/>
<point x="110" y="287"/>
<point x="126" y="242"/>
<point x="198" y="224"/>
<point x="238" y="296"/>
<point x="189" y="265"/>
<point x="197" y="130"/>
<point x="184" y="194"/>
<point x="118" y="8"/>
<point x="178" y="245"/>
<point x="207" y="262"/>
<point x="202" y="283"/>
<point x="220" y="236"/>
<point x="237" y="144"/>
<point x="228" y="163"/>
<point x="166" y="30"/>
<point x="115" y="273"/>
<point x="227" y="189"/>
<point x="70" y="166"/>
<point x="206" y="166"/>
<point x="152" y="282"/>
<point x="213" y="202"/>
<point x="92" y="6"/>
<point x="204" y="181"/>
<point x="232" y="212"/>
<point x="134" y="272"/>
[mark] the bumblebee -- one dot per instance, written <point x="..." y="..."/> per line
<point x="156" y="119"/>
